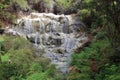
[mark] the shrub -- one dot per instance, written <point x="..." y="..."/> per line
<point x="84" y="13"/>
<point x="19" y="62"/>
<point x="21" y="3"/>
<point x="94" y="63"/>
<point x="65" y="3"/>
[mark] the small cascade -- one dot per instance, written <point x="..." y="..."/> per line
<point x="66" y="42"/>
<point x="51" y="27"/>
<point x="42" y="26"/>
<point x="30" y="30"/>
<point x="55" y="34"/>
<point x="65" y="24"/>
<point x="28" y="26"/>
<point x="69" y="44"/>
<point x="36" y="38"/>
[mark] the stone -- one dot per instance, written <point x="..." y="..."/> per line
<point x="2" y="31"/>
<point x="59" y="50"/>
<point x="31" y="38"/>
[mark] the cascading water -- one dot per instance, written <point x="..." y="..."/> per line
<point x="42" y="26"/>
<point x="65" y="24"/>
<point x="36" y="38"/>
<point x="56" y="34"/>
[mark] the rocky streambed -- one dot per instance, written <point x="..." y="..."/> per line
<point x="55" y="36"/>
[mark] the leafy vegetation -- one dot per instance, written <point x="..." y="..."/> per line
<point x="19" y="62"/>
<point x="91" y="62"/>
<point x="9" y="10"/>
<point x="21" y="3"/>
<point x="100" y="60"/>
<point x="104" y="16"/>
<point x="5" y="16"/>
<point x="65" y="3"/>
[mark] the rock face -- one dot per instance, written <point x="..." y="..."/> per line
<point x="57" y="35"/>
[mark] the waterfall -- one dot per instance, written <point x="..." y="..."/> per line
<point x="52" y="34"/>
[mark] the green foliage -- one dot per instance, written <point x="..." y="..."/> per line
<point x="20" y="43"/>
<point x="7" y="70"/>
<point x="21" y="3"/>
<point x="110" y="69"/>
<point x="1" y="40"/>
<point x="48" y="2"/>
<point x="5" y="15"/>
<point x="19" y="62"/>
<point x="4" y="58"/>
<point x="35" y="67"/>
<point x="94" y="61"/>
<point x="84" y="13"/>
<point x="100" y="60"/>
<point x="103" y="16"/>
<point x="99" y="8"/>
<point x="65" y="3"/>
<point x="1" y="46"/>
<point x="2" y="6"/>
<point x="38" y="76"/>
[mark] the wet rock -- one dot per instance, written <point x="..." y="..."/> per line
<point x="31" y="38"/>
<point x="57" y="42"/>
<point x="2" y="31"/>
<point x="82" y="45"/>
<point x="59" y="50"/>
<point x="63" y="59"/>
<point x="36" y="24"/>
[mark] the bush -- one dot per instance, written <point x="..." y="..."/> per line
<point x="22" y="3"/>
<point x="84" y="13"/>
<point x="65" y="3"/>
<point x="94" y="63"/>
<point x="19" y="62"/>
